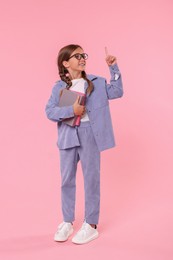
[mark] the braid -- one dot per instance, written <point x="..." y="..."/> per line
<point x="64" y="55"/>
<point x="90" y="84"/>
<point x="63" y="75"/>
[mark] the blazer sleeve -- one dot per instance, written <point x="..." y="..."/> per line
<point x="115" y="88"/>
<point x="52" y="110"/>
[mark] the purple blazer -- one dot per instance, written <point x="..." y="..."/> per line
<point x="97" y="107"/>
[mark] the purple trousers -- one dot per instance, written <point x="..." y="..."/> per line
<point x="89" y="156"/>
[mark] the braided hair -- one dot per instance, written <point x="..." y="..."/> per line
<point x="63" y="55"/>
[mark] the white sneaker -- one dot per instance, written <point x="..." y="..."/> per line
<point x="85" y="234"/>
<point x="65" y="229"/>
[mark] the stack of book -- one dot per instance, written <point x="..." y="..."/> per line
<point x="68" y="98"/>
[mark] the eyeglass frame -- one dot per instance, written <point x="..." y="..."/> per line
<point x="81" y="56"/>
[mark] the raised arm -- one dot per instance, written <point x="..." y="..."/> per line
<point x="115" y="88"/>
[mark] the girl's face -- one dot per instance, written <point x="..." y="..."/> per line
<point x="76" y="63"/>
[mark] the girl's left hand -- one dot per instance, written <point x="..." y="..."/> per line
<point x="111" y="60"/>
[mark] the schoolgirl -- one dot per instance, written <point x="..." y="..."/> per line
<point x="85" y="142"/>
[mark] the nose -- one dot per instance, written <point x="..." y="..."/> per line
<point x="81" y="57"/>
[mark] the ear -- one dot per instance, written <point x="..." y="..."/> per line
<point x="65" y="64"/>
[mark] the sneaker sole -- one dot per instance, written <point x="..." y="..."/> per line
<point x="63" y="240"/>
<point x="86" y="241"/>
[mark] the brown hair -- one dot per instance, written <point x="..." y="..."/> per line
<point x="63" y="55"/>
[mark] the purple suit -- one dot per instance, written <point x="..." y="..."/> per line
<point x="85" y="142"/>
<point x="97" y="108"/>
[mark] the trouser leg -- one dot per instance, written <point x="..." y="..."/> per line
<point x="90" y="161"/>
<point x="68" y="164"/>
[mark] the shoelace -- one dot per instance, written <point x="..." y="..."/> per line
<point x="61" y="226"/>
<point x="83" y="228"/>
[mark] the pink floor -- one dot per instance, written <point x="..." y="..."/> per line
<point x="136" y="218"/>
<point x="135" y="222"/>
<point x="132" y="237"/>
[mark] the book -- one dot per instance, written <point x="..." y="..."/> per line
<point x="68" y="98"/>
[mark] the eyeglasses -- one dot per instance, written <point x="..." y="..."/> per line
<point x="79" y="56"/>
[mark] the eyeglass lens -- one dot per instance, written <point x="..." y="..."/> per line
<point x="79" y="56"/>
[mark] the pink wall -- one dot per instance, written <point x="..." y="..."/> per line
<point x="136" y="202"/>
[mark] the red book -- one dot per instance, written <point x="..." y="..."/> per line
<point x="68" y="98"/>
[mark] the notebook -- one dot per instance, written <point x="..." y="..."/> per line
<point x="68" y="98"/>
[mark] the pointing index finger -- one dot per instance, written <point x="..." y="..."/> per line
<point x="106" y="51"/>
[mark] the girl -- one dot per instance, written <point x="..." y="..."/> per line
<point x="85" y="142"/>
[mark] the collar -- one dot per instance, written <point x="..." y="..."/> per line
<point x="89" y="76"/>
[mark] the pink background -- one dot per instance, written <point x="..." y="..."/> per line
<point x="136" y="178"/>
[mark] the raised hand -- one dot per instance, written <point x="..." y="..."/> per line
<point x="111" y="60"/>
